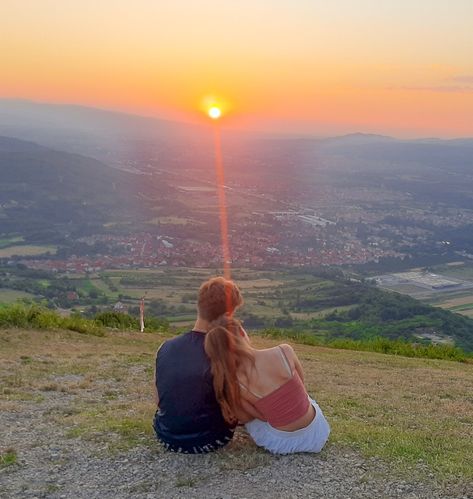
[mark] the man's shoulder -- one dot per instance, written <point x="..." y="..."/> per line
<point x="180" y="341"/>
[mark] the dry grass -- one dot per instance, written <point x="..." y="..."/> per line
<point x="415" y="413"/>
<point x="408" y="410"/>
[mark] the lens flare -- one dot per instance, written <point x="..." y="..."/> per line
<point x="214" y="112"/>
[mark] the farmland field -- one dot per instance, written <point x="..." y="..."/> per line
<point x="26" y="250"/>
<point x="460" y="304"/>
<point x="461" y="270"/>
<point x="263" y="291"/>
<point x="9" y="241"/>
<point x="12" y="295"/>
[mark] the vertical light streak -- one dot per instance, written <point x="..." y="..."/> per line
<point x="219" y="172"/>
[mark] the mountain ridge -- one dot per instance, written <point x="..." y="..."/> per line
<point x="17" y="108"/>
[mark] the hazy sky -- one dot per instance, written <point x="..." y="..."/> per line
<point x="402" y="67"/>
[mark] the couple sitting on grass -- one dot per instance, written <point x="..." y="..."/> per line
<point x="211" y="379"/>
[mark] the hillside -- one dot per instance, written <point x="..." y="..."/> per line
<point x="45" y="192"/>
<point x="76" y="416"/>
<point x="351" y="308"/>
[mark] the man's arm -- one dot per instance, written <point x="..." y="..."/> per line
<point x="155" y="391"/>
<point x="156" y="394"/>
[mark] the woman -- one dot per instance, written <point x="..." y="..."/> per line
<point x="265" y="390"/>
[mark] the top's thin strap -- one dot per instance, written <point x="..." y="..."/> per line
<point x="285" y="361"/>
<point x="248" y="390"/>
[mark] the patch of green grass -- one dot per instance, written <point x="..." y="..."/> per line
<point x="377" y="344"/>
<point x="460" y="308"/>
<point x="52" y="487"/>
<point x="7" y="458"/>
<point x="8" y="296"/>
<point x="76" y="432"/>
<point x="407" y="447"/>
<point x="127" y="431"/>
<point x="183" y="481"/>
<point x="242" y="454"/>
<point x="9" y="241"/>
<point x="87" y="286"/>
<point x="143" y="486"/>
<point x="20" y="316"/>
<point x="24" y="396"/>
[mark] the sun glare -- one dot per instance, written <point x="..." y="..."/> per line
<point x="214" y="112"/>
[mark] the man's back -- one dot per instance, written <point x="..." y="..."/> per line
<point x="189" y="418"/>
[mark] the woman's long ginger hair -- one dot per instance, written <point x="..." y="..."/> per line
<point x="228" y="348"/>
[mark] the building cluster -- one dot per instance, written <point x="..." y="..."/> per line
<point x="303" y="244"/>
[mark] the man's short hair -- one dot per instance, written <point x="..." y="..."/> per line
<point x="218" y="296"/>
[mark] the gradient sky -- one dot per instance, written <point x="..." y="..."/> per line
<point x="400" y="67"/>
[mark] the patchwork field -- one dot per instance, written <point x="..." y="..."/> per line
<point x="262" y="290"/>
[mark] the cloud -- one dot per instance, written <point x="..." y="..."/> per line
<point x="441" y="88"/>
<point x="459" y="84"/>
<point x="463" y="78"/>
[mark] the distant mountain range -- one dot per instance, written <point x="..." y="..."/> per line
<point x="47" y="123"/>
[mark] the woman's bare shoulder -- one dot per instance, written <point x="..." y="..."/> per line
<point x="288" y="350"/>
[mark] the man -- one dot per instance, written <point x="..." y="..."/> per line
<point x="189" y="418"/>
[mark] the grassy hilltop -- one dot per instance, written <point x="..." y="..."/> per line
<point x="95" y="392"/>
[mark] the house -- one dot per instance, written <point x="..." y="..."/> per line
<point x="120" y="307"/>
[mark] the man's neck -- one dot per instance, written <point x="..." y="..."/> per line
<point x="201" y="325"/>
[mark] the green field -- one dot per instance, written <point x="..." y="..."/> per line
<point x="12" y="295"/>
<point x="462" y="270"/>
<point x="10" y="241"/>
<point x="26" y="250"/>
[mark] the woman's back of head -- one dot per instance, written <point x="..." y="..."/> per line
<point x="227" y="349"/>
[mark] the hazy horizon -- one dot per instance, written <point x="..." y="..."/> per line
<point x="391" y="68"/>
<point x="229" y="128"/>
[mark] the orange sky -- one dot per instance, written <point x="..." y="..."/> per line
<point x="401" y="67"/>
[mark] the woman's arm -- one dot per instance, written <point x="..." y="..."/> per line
<point x="247" y="412"/>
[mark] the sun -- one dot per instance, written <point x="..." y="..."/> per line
<point x="214" y="112"/>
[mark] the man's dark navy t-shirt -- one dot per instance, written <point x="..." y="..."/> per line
<point x="189" y="415"/>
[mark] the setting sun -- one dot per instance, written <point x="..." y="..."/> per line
<point x="214" y="112"/>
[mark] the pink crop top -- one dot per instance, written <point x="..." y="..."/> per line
<point x="286" y="404"/>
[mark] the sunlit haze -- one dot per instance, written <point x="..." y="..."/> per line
<point x="394" y="67"/>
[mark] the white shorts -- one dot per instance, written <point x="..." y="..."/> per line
<point x="312" y="438"/>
